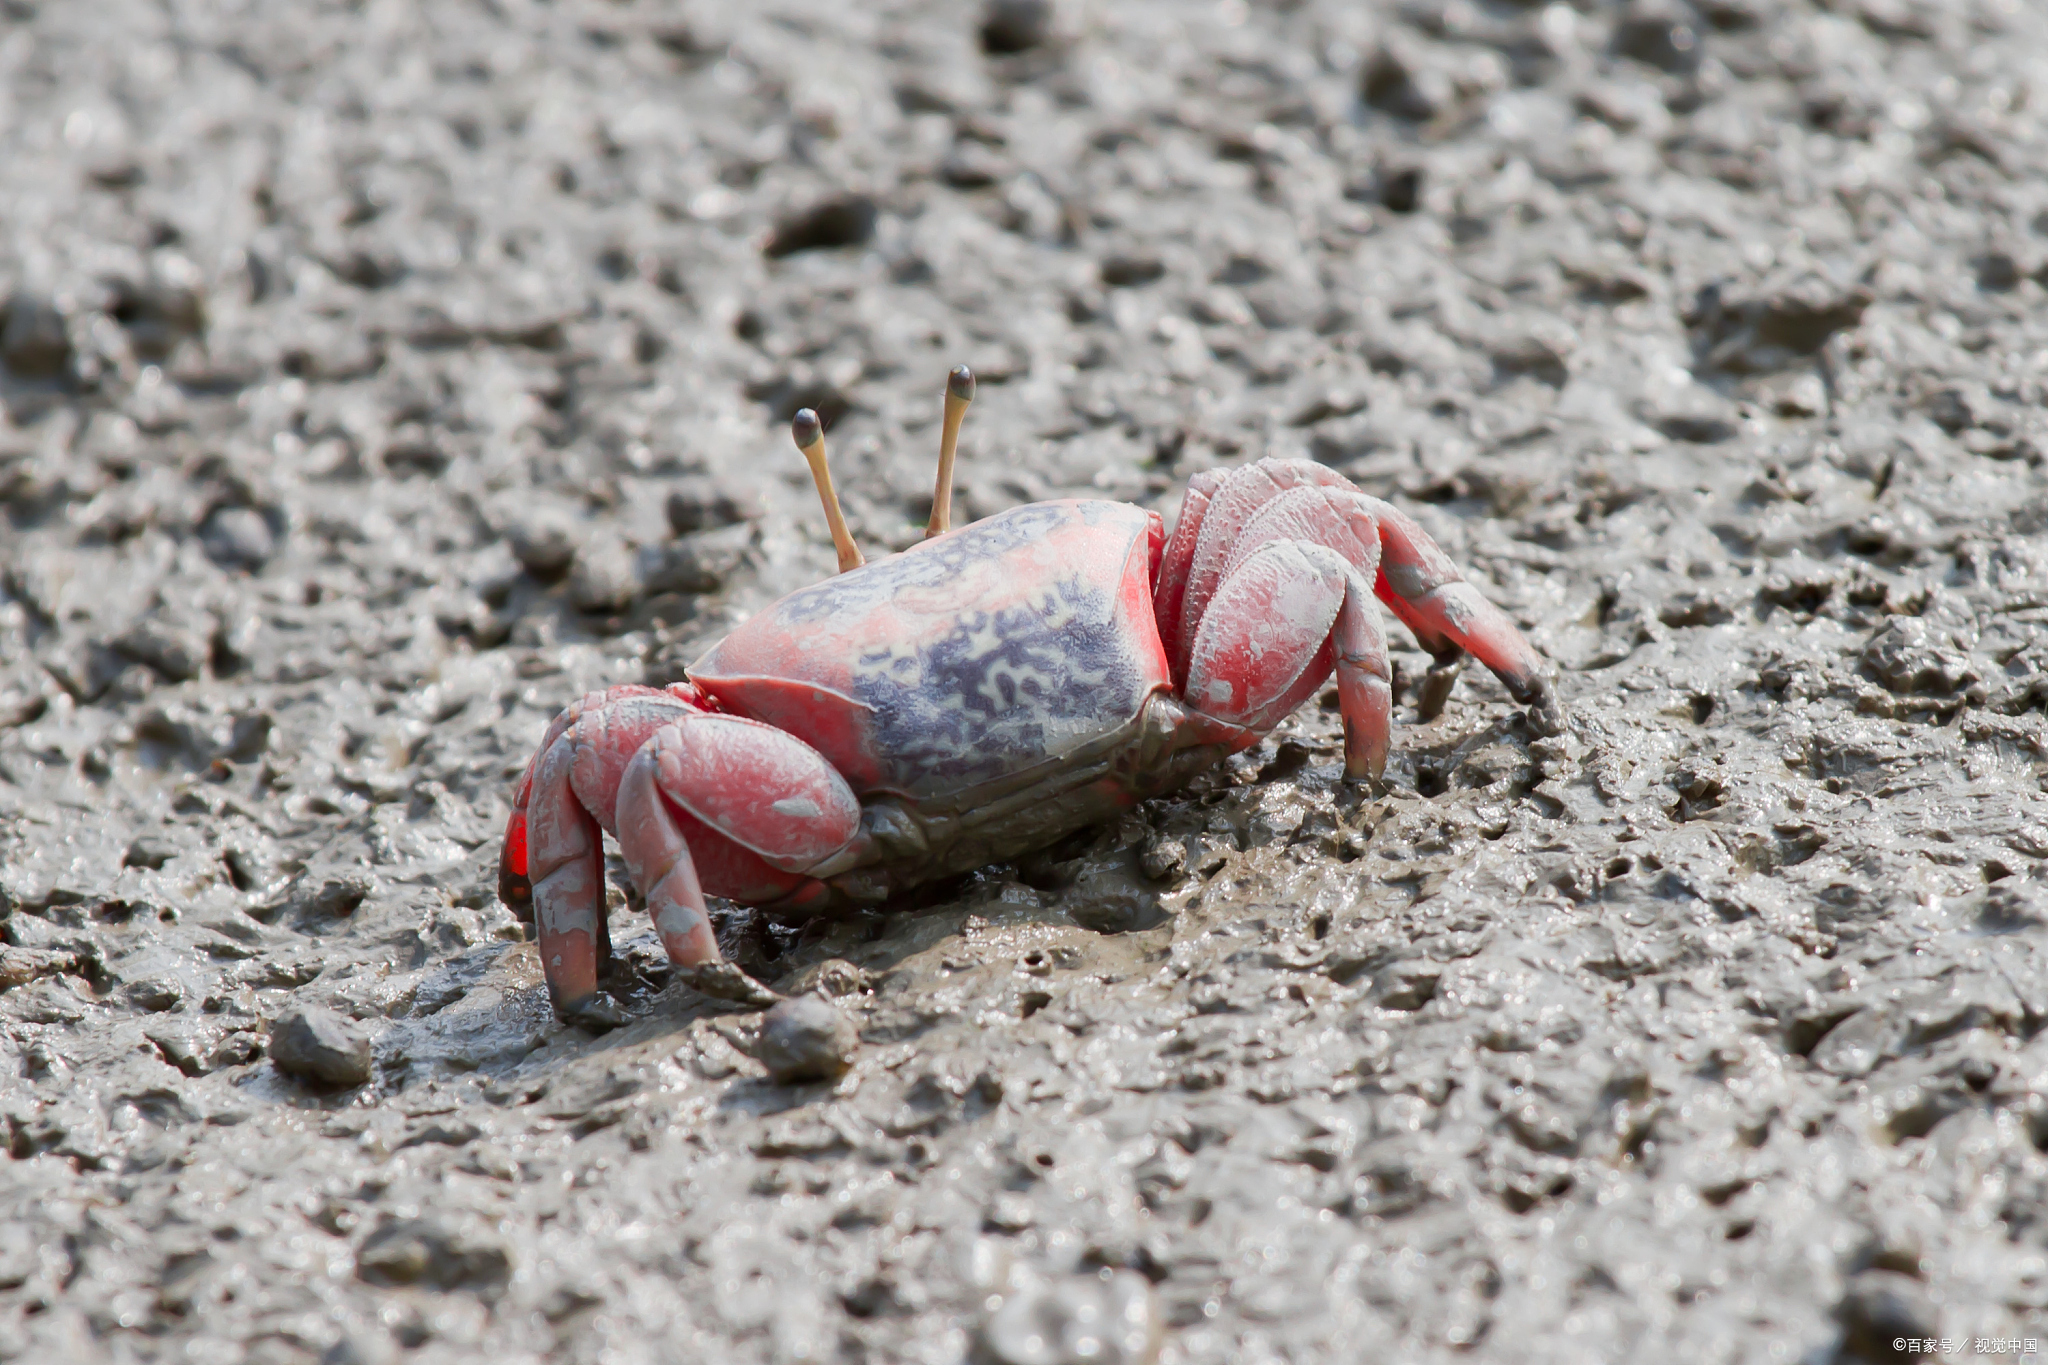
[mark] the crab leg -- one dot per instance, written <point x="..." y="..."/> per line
<point x="1276" y="624"/>
<point x="565" y="861"/>
<point x="959" y="393"/>
<point x="515" y="890"/>
<point x="760" y="787"/>
<point x="809" y="434"/>
<point x="1169" y="589"/>
<point x="1230" y="508"/>
<point x="1424" y="588"/>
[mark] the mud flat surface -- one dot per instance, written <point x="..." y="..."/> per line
<point x="378" y="377"/>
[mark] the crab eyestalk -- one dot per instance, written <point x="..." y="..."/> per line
<point x="809" y="434"/>
<point x="959" y="393"/>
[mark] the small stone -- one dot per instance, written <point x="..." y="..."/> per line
<point x="1107" y="1319"/>
<point x="238" y="537"/>
<point x="33" y="340"/>
<point x="603" y="580"/>
<point x="699" y="503"/>
<point x="1165" y="860"/>
<point x="329" y="897"/>
<point x="1012" y="26"/>
<point x="1999" y="272"/>
<point x="429" y="1252"/>
<point x="544" y="543"/>
<point x="319" y="1045"/>
<point x="174" y="651"/>
<point x="806" y="1039"/>
<point x="249" y="736"/>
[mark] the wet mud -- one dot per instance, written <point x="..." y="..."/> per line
<point x="379" y="377"/>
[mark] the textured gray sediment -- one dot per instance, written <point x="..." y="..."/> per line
<point x="376" y="378"/>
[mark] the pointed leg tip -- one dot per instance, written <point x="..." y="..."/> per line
<point x="1538" y="692"/>
<point x="722" y="981"/>
<point x="595" y="1013"/>
<point x="1546" y="716"/>
<point x="1369" y="774"/>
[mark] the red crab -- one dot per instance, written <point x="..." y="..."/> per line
<point x="977" y="697"/>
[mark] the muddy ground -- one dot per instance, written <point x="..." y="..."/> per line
<point x="377" y="377"/>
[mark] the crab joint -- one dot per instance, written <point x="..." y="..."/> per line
<point x="809" y="434"/>
<point x="959" y="393"/>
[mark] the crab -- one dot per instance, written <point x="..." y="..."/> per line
<point x="977" y="697"/>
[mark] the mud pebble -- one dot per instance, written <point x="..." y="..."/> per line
<point x="238" y="537"/>
<point x="543" y="544"/>
<point x="433" y="1253"/>
<point x="806" y="1039"/>
<point x="705" y="504"/>
<point x="1164" y="859"/>
<point x="176" y="652"/>
<point x="603" y="580"/>
<point x="319" y="1045"/>
<point x="325" y="897"/>
<point x="33" y="341"/>
<point x="1110" y="1319"/>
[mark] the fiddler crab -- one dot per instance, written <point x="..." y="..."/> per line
<point x="977" y="697"/>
